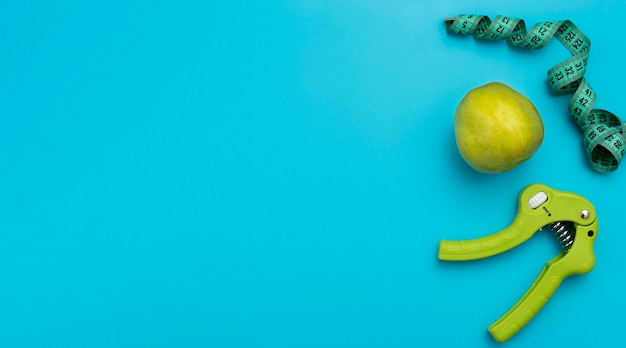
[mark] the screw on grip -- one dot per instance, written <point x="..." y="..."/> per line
<point x="571" y="217"/>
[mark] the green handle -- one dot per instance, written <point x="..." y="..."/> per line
<point x="538" y="206"/>
<point x="529" y="305"/>
<point x="578" y="260"/>
<point x="462" y="250"/>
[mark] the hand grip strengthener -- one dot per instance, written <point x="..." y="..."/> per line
<point x="571" y="217"/>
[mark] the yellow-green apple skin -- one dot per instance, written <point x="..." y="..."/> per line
<point x="496" y="128"/>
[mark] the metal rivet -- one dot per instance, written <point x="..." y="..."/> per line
<point x="584" y="214"/>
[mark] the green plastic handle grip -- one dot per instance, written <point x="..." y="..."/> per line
<point x="579" y="260"/>
<point x="538" y="206"/>
<point x="463" y="250"/>
<point x="558" y="206"/>
<point x="528" y="306"/>
<point x="526" y="223"/>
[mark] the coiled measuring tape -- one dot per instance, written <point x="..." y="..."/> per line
<point x="603" y="136"/>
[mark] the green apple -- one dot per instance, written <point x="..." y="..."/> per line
<point x="496" y="128"/>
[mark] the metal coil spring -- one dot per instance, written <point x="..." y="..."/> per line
<point x="563" y="231"/>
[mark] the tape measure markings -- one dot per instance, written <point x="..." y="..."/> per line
<point x="603" y="137"/>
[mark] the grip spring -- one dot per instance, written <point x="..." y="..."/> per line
<point x="563" y="231"/>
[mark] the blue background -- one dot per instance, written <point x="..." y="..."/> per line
<point x="279" y="174"/>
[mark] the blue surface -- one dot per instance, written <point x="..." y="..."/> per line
<point x="279" y="174"/>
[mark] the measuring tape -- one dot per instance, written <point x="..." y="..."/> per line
<point x="603" y="139"/>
